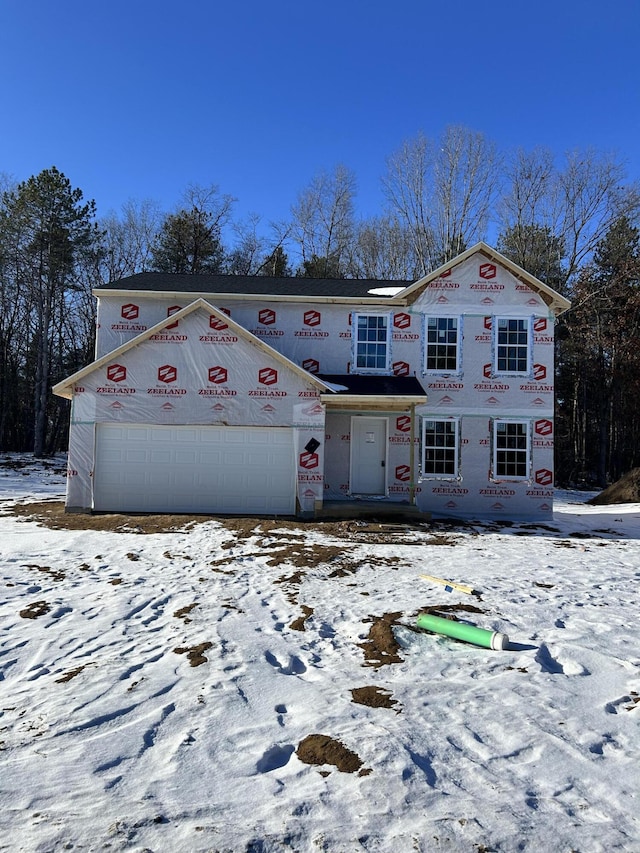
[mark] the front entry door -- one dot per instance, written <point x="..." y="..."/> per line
<point x="368" y="456"/>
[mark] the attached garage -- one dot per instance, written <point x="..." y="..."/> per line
<point x="194" y="469"/>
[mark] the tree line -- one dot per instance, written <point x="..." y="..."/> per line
<point x="571" y="221"/>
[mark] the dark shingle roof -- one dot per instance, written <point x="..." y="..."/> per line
<point x="383" y="386"/>
<point x="249" y="284"/>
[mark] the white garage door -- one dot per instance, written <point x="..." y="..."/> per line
<point x="202" y="469"/>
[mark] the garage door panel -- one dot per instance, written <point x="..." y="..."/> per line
<point x="194" y="469"/>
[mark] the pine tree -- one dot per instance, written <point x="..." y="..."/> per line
<point x="46" y="230"/>
<point x="189" y="242"/>
<point x="599" y="362"/>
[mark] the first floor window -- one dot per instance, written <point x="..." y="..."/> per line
<point x="512" y="345"/>
<point x="372" y="342"/>
<point x="440" y="448"/>
<point x="442" y="344"/>
<point x="511" y="450"/>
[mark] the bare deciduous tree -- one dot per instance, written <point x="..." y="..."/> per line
<point x="384" y="249"/>
<point x="575" y="205"/>
<point x="128" y="238"/>
<point x="322" y="221"/>
<point x="443" y="191"/>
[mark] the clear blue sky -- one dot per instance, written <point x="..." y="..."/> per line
<point x="138" y="99"/>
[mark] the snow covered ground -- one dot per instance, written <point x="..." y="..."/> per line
<point x="158" y="689"/>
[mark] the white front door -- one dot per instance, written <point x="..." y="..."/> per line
<point x="368" y="456"/>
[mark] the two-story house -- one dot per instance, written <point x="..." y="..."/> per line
<point x="255" y="395"/>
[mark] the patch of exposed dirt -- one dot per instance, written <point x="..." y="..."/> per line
<point x="306" y="556"/>
<point x="183" y="612"/>
<point x="35" y="609"/>
<point x="298" y="624"/>
<point x="322" y="749"/>
<point x="291" y="583"/>
<point x="223" y="561"/>
<point x="374" y="697"/>
<point x="71" y="674"/>
<point x="195" y="653"/>
<point x="635" y="701"/>
<point x="55" y="574"/>
<point x="625" y="490"/>
<point x="381" y="647"/>
<point x="51" y="514"/>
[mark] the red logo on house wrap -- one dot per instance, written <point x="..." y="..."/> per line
<point x="311" y="364"/>
<point x="539" y="372"/>
<point x="309" y="460"/>
<point x="116" y="372"/>
<point x="402" y="320"/>
<point x="544" y="477"/>
<point x="487" y="371"/>
<point x="400" y="368"/>
<point x="129" y="311"/>
<point x="311" y="318"/>
<point x="544" y="427"/>
<point x="217" y="324"/>
<point x="167" y="373"/>
<point x="316" y="409"/>
<point x="487" y="271"/>
<point x="445" y="274"/>
<point x="267" y="316"/>
<point x="171" y="311"/>
<point x="268" y="376"/>
<point x="403" y="423"/>
<point x="403" y="473"/>
<point x="540" y="324"/>
<point x="218" y="374"/>
<point x="487" y="322"/>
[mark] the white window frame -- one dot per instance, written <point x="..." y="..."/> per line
<point x="387" y="365"/>
<point x="528" y="328"/>
<point x="458" y="368"/>
<point x="455" y="423"/>
<point x="525" y="451"/>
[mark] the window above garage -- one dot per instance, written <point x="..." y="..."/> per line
<point x="372" y="343"/>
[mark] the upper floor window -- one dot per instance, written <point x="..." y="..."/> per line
<point x="442" y="344"/>
<point x="512" y="345"/>
<point x="511" y="450"/>
<point x="440" y="448"/>
<point x="372" y="342"/>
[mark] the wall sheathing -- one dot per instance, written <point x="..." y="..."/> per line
<point x="197" y="373"/>
<point x="318" y="337"/>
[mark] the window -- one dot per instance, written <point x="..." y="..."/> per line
<point x="442" y="344"/>
<point x="372" y="350"/>
<point x="511" y="450"/>
<point x="512" y="345"/>
<point x="440" y="448"/>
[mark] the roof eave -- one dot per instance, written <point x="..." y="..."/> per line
<point x="250" y="297"/>
<point x="367" y="402"/>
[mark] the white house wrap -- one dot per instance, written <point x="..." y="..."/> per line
<point x="288" y="393"/>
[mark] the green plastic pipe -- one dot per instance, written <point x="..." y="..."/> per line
<point x="461" y="631"/>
